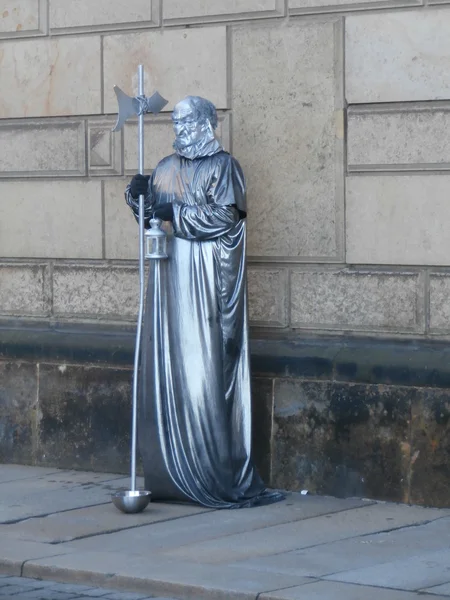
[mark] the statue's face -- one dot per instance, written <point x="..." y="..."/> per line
<point x="188" y="129"/>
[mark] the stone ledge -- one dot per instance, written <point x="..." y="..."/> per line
<point x="419" y="363"/>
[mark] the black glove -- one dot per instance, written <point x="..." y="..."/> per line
<point x="139" y="185"/>
<point x="164" y="212"/>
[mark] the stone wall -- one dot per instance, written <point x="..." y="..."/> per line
<point x="338" y="111"/>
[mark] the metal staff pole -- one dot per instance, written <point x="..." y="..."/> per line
<point x="141" y="287"/>
<point x="133" y="501"/>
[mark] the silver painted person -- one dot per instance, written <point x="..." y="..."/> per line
<point x="194" y="398"/>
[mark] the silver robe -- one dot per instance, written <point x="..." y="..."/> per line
<point x="194" y="426"/>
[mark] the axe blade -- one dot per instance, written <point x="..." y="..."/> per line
<point x="127" y="108"/>
<point x="155" y="103"/>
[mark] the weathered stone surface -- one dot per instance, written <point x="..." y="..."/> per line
<point x="55" y="219"/>
<point x="356" y="300"/>
<point x="158" y="140"/>
<point x="299" y="7"/>
<point x="286" y="137"/>
<point x="24" y="290"/>
<point x="157" y="575"/>
<point x="301" y="534"/>
<point x="21" y="17"/>
<point x="18" y="405"/>
<point x="95" y="520"/>
<point x="398" y="220"/>
<point x="340" y="591"/>
<point x="56" y="492"/>
<point x="398" y="138"/>
<point x="262" y="409"/>
<point x="13" y="555"/>
<point x="397" y="56"/>
<point x="178" y="11"/>
<point x="267" y="290"/>
<point x="121" y="228"/>
<point x="212" y="525"/>
<point x="344" y="440"/>
<point x="85" y="417"/>
<point x="36" y="83"/>
<point x="47" y="148"/>
<point x="194" y="72"/>
<point x="13" y="473"/>
<point x="94" y="291"/>
<point x="440" y="302"/>
<point x="104" y="147"/>
<point x="355" y="553"/>
<point x="430" y="448"/>
<point x="423" y="570"/>
<point x="66" y="16"/>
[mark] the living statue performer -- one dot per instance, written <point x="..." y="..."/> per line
<point x="194" y="397"/>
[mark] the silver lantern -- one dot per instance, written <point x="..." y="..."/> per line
<point x="155" y="241"/>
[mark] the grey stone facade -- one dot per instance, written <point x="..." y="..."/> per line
<point x="338" y="112"/>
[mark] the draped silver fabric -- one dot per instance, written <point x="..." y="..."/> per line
<point x="194" y="426"/>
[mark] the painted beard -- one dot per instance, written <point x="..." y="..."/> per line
<point x="206" y="145"/>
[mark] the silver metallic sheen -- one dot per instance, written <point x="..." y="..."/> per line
<point x="194" y="425"/>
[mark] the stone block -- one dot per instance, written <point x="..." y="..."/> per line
<point x="22" y="18"/>
<point x="85" y="417"/>
<point x="340" y="591"/>
<point x="398" y="220"/>
<point x="24" y="290"/>
<point x="440" y="303"/>
<point x="42" y="148"/>
<point x="267" y="289"/>
<point x="193" y="72"/>
<point x="158" y="140"/>
<point x="412" y="573"/>
<point x="57" y="492"/>
<point x="430" y="448"/>
<point x="262" y="411"/>
<point x="104" y="147"/>
<point x="353" y="300"/>
<point x="102" y="15"/>
<point x="341" y="439"/>
<point x="18" y="406"/>
<point x="121" y="228"/>
<point x="353" y="553"/>
<point x="398" y="139"/>
<point x="176" y="12"/>
<point x="288" y="136"/>
<point x="14" y="553"/>
<point x="39" y="86"/>
<point x="302" y="7"/>
<point x="96" y="291"/>
<point x="397" y="56"/>
<point x="54" y="219"/>
<point x="94" y="521"/>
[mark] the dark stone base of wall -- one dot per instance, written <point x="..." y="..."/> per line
<point x="345" y="417"/>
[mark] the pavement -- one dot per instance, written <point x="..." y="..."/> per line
<point x="61" y="538"/>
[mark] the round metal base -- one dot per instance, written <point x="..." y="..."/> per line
<point x="131" y="502"/>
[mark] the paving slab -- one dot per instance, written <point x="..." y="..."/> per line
<point x="324" y="590"/>
<point x="10" y="473"/>
<point x="93" y="521"/>
<point x="212" y="525"/>
<point x="355" y="553"/>
<point x="56" y="492"/>
<point x="415" y="573"/>
<point x="14" y="553"/>
<point x="156" y="575"/>
<point x="305" y="533"/>
<point x="439" y="590"/>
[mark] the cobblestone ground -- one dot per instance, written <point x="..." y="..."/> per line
<point x="19" y="588"/>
